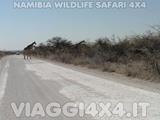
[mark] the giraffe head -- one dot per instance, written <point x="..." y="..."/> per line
<point x="34" y="43"/>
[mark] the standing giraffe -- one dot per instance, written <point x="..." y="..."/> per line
<point x="28" y="50"/>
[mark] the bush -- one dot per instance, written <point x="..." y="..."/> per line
<point x="136" y="56"/>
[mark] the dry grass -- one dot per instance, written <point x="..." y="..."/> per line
<point x="134" y="69"/>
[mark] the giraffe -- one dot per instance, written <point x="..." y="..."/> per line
<point x="28" y="50"/>
<point x="78" y="47"/>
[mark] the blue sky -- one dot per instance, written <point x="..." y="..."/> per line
<point x="20" y="27"/>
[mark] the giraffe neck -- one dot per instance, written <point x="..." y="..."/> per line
<point x="29" y="47"/>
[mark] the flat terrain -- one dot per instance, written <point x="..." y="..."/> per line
<point x="38" y="81"/>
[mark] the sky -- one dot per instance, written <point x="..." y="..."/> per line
<point x="19" y="27"/>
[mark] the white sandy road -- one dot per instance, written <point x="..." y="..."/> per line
<point x="3" y="78"/>
<point x="39" y="81"/>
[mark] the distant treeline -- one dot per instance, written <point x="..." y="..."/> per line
<point x="4" y="53"/>
<point x="136" y="56"/>
<point x="1" y="54"/>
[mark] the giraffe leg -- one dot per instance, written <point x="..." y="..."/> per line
<point x="24" y="56"/>
<point x="30" y="57"/>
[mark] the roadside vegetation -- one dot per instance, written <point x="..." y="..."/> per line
<point x="5" y="53"/>
<point x="135" y="56"/>
<point x="2" y="54"/>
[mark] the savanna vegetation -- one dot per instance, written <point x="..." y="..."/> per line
<point x="135" y="56"/>
<point x="2" y="54"/>
<point x="5" y="53"/>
